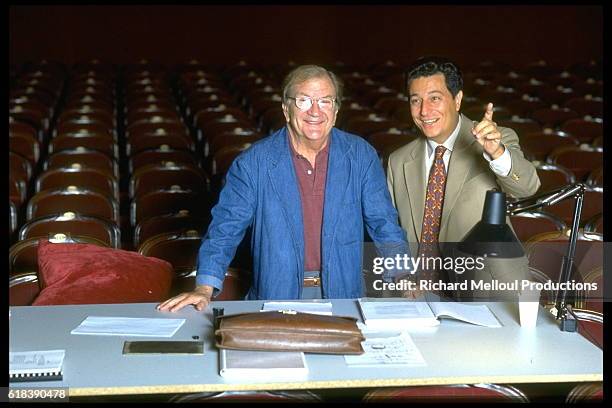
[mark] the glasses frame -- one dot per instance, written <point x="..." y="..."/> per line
<point x="312" y="102"/>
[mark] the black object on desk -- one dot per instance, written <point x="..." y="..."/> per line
<point x="217" y="311"/>
<point x="163" y="347"/>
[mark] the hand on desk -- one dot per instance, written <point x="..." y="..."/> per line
<point x="200" y="297"/>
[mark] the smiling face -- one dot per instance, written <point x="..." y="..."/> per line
<point x="313" y="126"/>
<point x="434" y="109"/>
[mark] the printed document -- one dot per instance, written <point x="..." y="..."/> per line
<point x="35" y="363"/>
<point x="384" y="351"/>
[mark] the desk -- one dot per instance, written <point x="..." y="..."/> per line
<point x="455" y="353"/>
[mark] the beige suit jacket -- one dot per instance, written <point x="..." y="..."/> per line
<point x="469" y="176"/>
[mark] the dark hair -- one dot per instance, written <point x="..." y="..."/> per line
<point x="428" y="66"/>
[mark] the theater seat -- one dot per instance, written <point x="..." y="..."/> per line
<point x="166" y="223"/>
<point x="466" y="393"/>
<point x="580" y="160"/>
<point x="178" y="248"/>
<point x="553" y="176"/>
<point x="590" y="325"/>
<point x="74" y="224"/>
<point x="545" y="252"/>
<point x="528" y="224"/>
<point x="23" y="289"/>
<point x="72" y="198"/>
<point x="586" y="393"/>
<point x="23" y="255"/>
<point x="298" y="396"/>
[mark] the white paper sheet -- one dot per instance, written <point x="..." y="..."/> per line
<point x="320" y="308"/>
<point x="128" y="326"/>
<point x="385" y="351"/>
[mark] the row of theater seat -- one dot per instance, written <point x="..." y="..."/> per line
<point x="167" y="138"/>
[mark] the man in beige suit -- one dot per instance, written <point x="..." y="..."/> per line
<point x="476" y="156"/>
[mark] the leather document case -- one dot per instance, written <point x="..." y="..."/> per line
<point x="289" y="331"/>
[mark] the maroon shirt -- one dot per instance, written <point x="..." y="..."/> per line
<point x="312" y="192"/>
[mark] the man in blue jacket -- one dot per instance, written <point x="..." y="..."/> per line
<point x="306" y="191"/>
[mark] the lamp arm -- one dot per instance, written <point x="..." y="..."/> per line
<point x="545" y="199"/>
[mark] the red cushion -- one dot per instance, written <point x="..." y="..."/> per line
<point x="74" y="274"/>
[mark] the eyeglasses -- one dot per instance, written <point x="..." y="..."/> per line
<point x="304" y="103"/>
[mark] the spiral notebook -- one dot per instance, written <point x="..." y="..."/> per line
<point x="46" y="365"/>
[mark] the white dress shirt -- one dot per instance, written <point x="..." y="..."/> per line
<point x="501" y="166"/>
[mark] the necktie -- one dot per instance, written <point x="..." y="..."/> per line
<point x="434" y="200"/>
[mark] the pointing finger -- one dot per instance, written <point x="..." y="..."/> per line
<point x="489" y="112"/>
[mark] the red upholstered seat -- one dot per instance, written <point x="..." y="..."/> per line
<point x="529" y="224"/>
<point x="471" y="393"/>
<point x="301" y="396"/>
<point x="581" y="160"/>
<point x="583" y="393"/>
<point x="23" y="289"/>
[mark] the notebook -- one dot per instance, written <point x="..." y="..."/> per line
<point x="43" y="365"/>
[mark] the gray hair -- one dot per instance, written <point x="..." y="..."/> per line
<point x="305" y="72"/>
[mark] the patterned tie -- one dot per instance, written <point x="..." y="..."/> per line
<point x="434" y="200"/>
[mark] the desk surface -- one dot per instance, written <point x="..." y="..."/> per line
<point x="455" y="353"/>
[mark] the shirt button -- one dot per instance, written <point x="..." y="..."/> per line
<point x="309" y="171"/>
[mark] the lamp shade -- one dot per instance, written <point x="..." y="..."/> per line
<point x="492" y="236"/>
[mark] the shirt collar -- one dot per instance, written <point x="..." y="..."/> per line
<point x="323" y="152"/>
<point x="449" y="143"/>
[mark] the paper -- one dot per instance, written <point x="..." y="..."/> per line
<point x="36" y="364"/>
<point x="320" y="308"/>
<point x="480" y="315"/>
<point x="391" y="314"/>
<point x="128" y="326"/>
<point x="262" y="365"/>
<point x="384" y="351"/>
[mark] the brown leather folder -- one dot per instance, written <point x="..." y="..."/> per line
<point x="289" y="331"/>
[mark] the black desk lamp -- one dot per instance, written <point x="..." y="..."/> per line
<point x="492" y="237"/>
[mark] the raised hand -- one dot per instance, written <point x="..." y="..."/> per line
<point x="488" y="135"/>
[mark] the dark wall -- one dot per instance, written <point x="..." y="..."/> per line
<point x="322" y="34"/>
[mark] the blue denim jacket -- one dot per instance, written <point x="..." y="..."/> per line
<point x="261" y="191"/>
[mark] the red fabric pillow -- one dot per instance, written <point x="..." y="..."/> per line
<point x="72" y="274"/>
